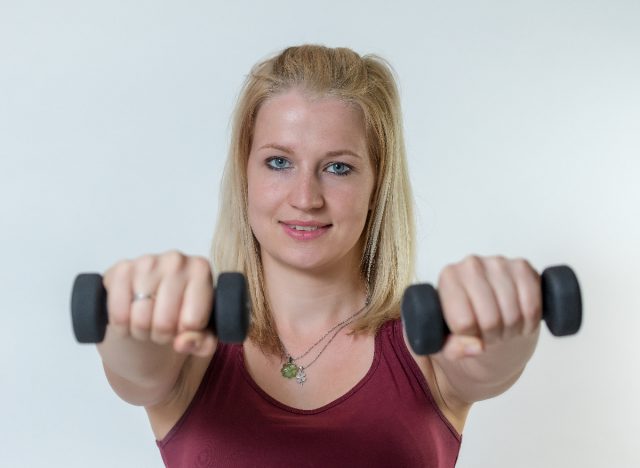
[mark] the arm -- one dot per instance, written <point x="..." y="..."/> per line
<point x="493" y="307"/>
<point x="489" y="374"/>
<point x="149" y="342"/>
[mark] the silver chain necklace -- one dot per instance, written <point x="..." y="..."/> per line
<point x="290" y="368"/>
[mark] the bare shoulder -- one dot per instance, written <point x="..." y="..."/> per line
<point x="164" y="415"/>
<point x="454" y="410"/>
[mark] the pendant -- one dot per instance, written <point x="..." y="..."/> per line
<point x="289" y="369"/>
<point x="301" y="377"/>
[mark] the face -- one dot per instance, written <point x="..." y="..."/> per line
<point x="310" y="182"/>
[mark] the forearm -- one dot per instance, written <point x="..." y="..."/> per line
<point x="141" y="364"/>
<point x="490" y="373"/>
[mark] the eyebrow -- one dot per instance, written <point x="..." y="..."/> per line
<point x="330" y="154"/>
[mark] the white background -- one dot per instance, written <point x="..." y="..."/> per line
<point x="523" y="129"/>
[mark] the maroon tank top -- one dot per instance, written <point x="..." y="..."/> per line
<point x="389" y="419"/>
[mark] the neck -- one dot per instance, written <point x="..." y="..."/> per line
<point x="307" y="304"/>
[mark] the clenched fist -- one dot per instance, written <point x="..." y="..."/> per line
<point x="488" y="300"/>
<point x="162" y="299"/>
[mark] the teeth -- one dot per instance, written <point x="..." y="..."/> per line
<point x="304" y="228"/>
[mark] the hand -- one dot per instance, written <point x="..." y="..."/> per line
<point x="488" y="300"/>
<point x="178" y="311"/>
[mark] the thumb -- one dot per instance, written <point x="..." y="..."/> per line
<point x="198" y="343"/>
<point x="461" y="346"/>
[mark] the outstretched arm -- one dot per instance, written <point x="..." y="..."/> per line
<point x="493" y="307"/>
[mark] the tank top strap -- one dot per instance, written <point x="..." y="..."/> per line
<point x="394" y="341"/>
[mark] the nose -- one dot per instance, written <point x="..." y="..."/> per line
<point x="306" y="191"/>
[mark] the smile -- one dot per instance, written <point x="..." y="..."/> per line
<point x="303" y="228"/>
<point x="304" y="231"/>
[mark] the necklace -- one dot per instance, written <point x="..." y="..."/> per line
<point x="290" y="368"/>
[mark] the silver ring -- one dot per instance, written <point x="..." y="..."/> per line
<point x="142" y="296"/>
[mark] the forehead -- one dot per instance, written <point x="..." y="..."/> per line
<point x="297" y="118"/>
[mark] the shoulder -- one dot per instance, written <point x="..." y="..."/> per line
<point x="453" y="409"/>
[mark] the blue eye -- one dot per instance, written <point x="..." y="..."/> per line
<point x="278" y="163"/>
<point x="339" y="169"/>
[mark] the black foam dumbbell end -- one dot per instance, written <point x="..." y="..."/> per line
<point x="232" y="308"/>
<point x="423" y="319"/>
<point x="561" y="300"/>
<point x="88" y="308"/>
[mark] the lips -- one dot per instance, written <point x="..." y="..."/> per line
<point x="304" y="225"/>
<point x="304" y="230"/>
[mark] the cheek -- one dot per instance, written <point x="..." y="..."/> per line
<point x="252" y="198"/>
<point x="356" y="197"/>
<point x="351" y="207"/>
<point x="254" y="208"/>
<point x="261" y="199"/>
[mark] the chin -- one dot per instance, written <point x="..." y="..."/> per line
<point x="307" y="264"/>
<point x="316" y="263"/>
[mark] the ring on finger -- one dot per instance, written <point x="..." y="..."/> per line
<point x="140" y="296"/>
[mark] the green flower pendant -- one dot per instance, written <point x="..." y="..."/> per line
<point x="289" y="369"/>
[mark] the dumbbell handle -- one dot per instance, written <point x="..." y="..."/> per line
<point x="427" y="331"/>
<point x="229" y="318"/>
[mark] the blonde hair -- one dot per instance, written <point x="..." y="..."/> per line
<point x="387" y="265"/>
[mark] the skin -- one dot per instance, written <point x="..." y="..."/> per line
<point x="307" y="158"/>
<point x="155" y="352"/>
<point x="304" y="183"/>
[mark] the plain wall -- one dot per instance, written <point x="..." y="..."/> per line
<point x="523" y="130"/>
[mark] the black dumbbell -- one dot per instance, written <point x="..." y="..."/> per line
<point x="229" y="319"/>
<point x="427" y="331"/>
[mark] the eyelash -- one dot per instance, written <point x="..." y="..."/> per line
<point x="348" y="168"/>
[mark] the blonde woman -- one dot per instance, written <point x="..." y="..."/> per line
<point x="316" y="211"/>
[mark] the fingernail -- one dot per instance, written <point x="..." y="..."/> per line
<point x="191" y="345"/>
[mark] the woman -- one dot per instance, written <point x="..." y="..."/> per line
<point x="316" y="210"/>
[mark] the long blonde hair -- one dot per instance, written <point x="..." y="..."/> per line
<point x="388" y="256"/>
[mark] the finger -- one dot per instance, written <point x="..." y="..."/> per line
<point x="117" y="282"/>
<point x="457" y="347"/>
<point x="198" y="343"/>
<point x="456" y="307"/>
<point x="145" y="283"/>
<point x="529" y="286"/>
<point x="500" y="277"/>
<point x="207" y="347"/>
<point x="168" y="304"/>
<point x="482" y="299"/>
<point x="198" y="297"/>
<point x="141" y="311"/>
